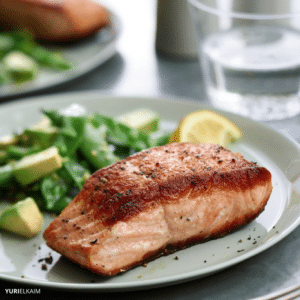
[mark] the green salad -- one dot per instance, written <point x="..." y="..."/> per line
<point x="50" y="161"/>
<point x="21" y="58"/>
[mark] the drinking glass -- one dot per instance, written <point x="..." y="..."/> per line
<point x="250" y="55"/>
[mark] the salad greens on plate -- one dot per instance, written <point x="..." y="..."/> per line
<point x="51" y="160"/>
<point x="21" y="57"/>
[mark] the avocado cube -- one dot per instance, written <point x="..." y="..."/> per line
<point x="23" y="218"/>
<point x="33" y="167"/>
<point x="19" y="67"/>
<point x="43" y="133"/>
<point x="144" y="119"/>
<point x="8" y="140"/>
<point x="44" y="137"/>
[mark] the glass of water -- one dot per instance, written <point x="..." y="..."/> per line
<point x="250" y="55"/>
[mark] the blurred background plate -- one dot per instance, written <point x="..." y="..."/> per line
<point x="85" y="55"/>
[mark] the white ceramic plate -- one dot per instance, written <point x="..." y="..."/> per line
<point x="85" y="56"/>
<point x="20" y="258"/>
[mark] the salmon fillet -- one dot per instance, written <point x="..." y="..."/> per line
<point x="54" y="20"/>
<point x="156" y="202"/>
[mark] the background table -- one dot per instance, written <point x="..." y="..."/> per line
<point x="138" y="70"/>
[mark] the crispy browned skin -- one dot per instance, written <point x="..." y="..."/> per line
<point x="156" y="202"/>
<point x="54" y="20"/>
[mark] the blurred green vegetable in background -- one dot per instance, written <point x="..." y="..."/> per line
<point x="21" y="57"/>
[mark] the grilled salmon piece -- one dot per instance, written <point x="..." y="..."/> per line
<point x="54" y="20"/>
<point x="156" y="202"/>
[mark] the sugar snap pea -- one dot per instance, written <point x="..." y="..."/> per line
<point x="95" y="148"/>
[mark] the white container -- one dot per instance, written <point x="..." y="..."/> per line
<point x="174" y="31"/>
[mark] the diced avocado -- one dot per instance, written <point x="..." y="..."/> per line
<point x="8" y="140"/>
<point x="23" y="218"/>
<point x="42" y="136"/>
<point x="20" y="67"/>
<point x="42" y="133"/>
<point x="143" y="119"/>
<point x="33" y="167"/>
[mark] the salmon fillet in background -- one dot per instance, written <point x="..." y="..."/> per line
<point x="157" y="202"/>
<point x="56" y="20"/>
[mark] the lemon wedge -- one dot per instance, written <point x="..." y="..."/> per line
<point x="204" y="126"/>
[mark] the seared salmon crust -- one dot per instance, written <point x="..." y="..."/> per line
<point x="156" y="202"/>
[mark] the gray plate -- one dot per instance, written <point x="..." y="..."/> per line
<point x="85" y="55"/>
<point x="20" y="257"/>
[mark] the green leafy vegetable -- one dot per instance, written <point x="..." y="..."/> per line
<point x="74" y="173"/>
<point x="85" y="143"/>
<point x="54" y="190"/>
<point x="120" y="133"/>
<point x="6" y="174"/>
<point x="71" y="131"/>
<point x="17" y="152"/>
<point x="95" y="148"/>
<point x="22" y="44"/>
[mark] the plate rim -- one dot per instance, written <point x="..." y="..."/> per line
<point x="150" y="283"/>
<point x="110" y="50"/>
